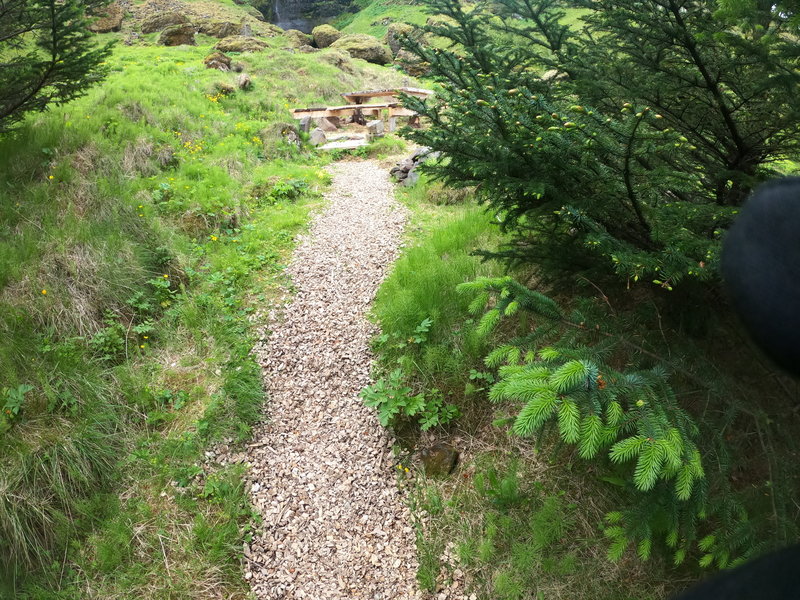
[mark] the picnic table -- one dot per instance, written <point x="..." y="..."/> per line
<point x="358" y="108"/>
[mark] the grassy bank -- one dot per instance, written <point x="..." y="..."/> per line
<point x="515" y="520"/>
<point x="142" y="226"/>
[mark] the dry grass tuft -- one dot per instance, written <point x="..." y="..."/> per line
<point x="86" y="160"/>
<point x="137" y="158"/>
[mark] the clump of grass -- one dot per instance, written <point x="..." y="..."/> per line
<point x="520" y="532"/>
<point x="421" y="289"/>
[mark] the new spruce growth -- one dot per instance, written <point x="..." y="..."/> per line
<point x="568" y="376"/>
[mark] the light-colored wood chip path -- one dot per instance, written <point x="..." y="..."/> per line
<point x="335" y="525"/>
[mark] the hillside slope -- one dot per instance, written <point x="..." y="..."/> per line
<point x="139" y="227"/>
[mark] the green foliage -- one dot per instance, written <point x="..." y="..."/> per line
<point x="395" y="402"/>
<point x="518" y="537"/>
<point x="48" y="55"/>
<point x="419" y="310"/>
<point x="627" y="419"/>
<point x="637" y="147"/>
<point x="13" y="399"/>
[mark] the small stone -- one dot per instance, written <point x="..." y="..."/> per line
<point x="440" y="459"/>
<point x="375" y="129"/>
<point x="317" y="137"/>
<point x="244" y="82"/>
<point x="217" y="60"/>
<point x="329" y="124"/>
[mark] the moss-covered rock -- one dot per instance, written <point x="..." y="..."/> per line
<point x="340" y="60"/>
<point x="240" y="43"/>
<point x="178" y="35"/>
<point x="161" y="21"/>
<point x="325" y="35"/>
<point x="365" y="47"/>
<point x="217" y="60"/>
<point x="254" y="12"/>
<point x="395" y="33"/>
<point x="109" y="18"/>
<point x="439" y="460"/>
<point x="219" y="29"/>
<point x="298" y="38"/>
<point x="411" y="63"/>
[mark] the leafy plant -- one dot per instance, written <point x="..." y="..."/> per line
<point x="108" y="344"/>
<point x="13" y="399"/>
<point x="394" y="401"/>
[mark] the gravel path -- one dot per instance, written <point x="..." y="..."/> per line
<point x="334" y="522"/>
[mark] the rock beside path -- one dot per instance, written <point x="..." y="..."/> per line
<point x="335" y="524"/>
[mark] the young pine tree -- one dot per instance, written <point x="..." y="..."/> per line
<point x="633" y="135"/>
<point x="47" y="55"/>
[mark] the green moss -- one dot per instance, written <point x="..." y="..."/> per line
<point x="365" y="47"/>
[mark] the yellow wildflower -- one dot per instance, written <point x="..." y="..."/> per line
<point x="44" y="292"/>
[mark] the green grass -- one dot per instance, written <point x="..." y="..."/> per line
<point x="374" y="18"/>
<point x="422" y="286"/>
<point x="520" y="531"/>
<point x="515" y="526"/>
<point x="137" y="237"/>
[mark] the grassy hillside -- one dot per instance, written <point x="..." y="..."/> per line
<point x="375" y="17"/>
<point x="140" y="229"/>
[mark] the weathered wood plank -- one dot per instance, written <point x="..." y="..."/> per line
<point x="357" y="97"/>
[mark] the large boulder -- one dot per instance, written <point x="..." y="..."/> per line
<point x="220" y="29"/>
<point x="109" y="18"/>
<point x="365" y="47"/>
<point x="325" y="35"/>
<point x="395" y="33"/>
<point x="297" y="38"/>
<point x="239" y="43"/>
<point x="161" y="21"/>
<point x="178" y="35"/>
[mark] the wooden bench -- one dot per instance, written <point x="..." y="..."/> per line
<point x="387" y="94"/>
<point x="395" y="109"/>
<point x="358" y="109"/>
